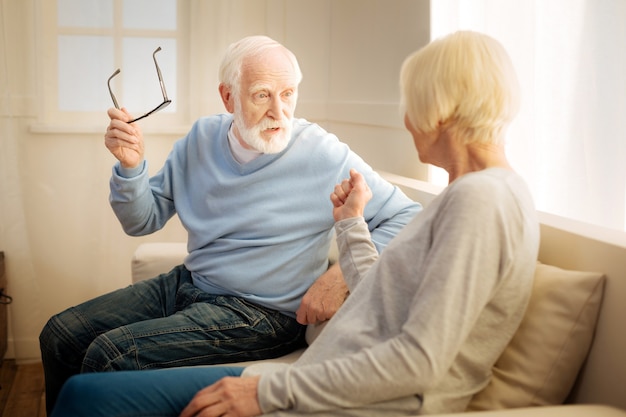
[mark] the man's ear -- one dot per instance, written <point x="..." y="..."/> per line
<point x="226" y="94"/>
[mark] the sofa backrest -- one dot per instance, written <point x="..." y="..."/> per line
<point x="572" y="245"/>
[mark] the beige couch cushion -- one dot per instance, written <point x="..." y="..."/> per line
<point x="152" y="259"/>
<point x="577" y="410"/>
<point x="541" y="363"/>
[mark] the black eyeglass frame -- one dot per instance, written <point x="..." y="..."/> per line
<point x="166" y="100"/>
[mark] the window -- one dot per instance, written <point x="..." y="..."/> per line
<point x="87" y="40"/>
<point x="569" y="139"/>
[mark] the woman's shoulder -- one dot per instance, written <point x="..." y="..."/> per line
<point x="493" y="187"/>
<point x="489" y="182"/>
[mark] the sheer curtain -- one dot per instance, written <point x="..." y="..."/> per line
<point x="14" y="236"/>
<point x="569" y="140"/>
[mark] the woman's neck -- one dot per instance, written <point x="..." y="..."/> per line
<point x="476" y="157"/>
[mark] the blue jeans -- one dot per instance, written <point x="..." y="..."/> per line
<point x="163" y="392"/>
<point x="164" y="322"/>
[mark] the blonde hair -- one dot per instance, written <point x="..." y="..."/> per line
<point x="249" y="47"/>
<point x="464" y="81"/>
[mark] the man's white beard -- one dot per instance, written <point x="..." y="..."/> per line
<point x="252" y="136"/>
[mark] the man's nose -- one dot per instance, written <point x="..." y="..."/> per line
<point x="275" y="108"/>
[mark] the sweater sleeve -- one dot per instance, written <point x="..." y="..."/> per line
<point x="389" y="210"/>
<point x="395" y="211"/>
<point x="357" y="253"/>
<point x="140" y="203"/>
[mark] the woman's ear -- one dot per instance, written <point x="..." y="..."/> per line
<point x="226" y="93"/>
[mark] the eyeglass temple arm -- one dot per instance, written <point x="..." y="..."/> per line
<point x="111" y="91"/>
<point x="159" y="74"/>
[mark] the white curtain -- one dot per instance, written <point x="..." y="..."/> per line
<point x="14" y="236"/>
<point x="62" y="242"/>
<point x="569" y="140"/>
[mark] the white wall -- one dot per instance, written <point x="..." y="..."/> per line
<point x="350" y="52"/>
<point x="62" y="242"/>
<point x="368" y="41"/>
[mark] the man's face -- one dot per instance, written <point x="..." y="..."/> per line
<point x="266" y="102"/>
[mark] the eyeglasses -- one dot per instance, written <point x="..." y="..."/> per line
<point x="166" y="101"/>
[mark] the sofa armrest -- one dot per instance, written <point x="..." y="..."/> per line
<point x="153" y="259"/>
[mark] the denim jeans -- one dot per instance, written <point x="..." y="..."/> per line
<point x="163" y="392"/>
<point x="164" y="322"/>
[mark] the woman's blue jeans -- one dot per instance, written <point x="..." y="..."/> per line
<point x="156" y="393"/>
<point x="164" y="322"/>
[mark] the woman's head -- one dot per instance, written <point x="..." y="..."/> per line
<point x="464" y="81"/>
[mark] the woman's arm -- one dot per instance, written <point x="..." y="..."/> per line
<point x="357" y="252"/>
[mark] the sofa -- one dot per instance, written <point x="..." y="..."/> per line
<point x="566" y="359"/>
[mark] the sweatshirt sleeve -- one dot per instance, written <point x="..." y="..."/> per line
<point x="389" y="210"/>
<point x="141" y="204"/>
<point x="395" y="212"/>
<point x="357" y="253"/>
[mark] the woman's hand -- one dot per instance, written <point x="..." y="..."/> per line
<point x="229" y="397"/>
<point x="350" y="197"/>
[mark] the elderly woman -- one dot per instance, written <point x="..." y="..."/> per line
<point x="427" y="319"/>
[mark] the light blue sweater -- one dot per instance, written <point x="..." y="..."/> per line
<point x="260" y="230"/>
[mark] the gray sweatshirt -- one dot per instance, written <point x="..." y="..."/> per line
<point x="426" y="321"/>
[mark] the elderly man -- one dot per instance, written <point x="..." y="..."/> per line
<point x="251" y="188"/>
